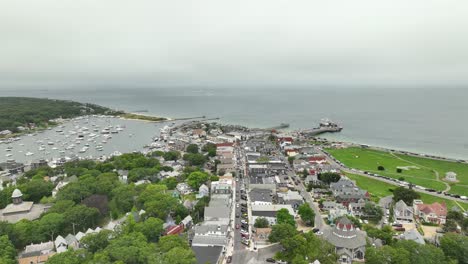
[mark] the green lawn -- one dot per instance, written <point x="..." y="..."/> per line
<point x="420" y="171"/>
<point x="379" y="189"/>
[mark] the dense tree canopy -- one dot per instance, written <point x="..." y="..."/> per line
<point x="281" y="231"/>
<point x="284" y="217"/>
<point x="407" y="195"/>
<point x="261" y="222"/>
<point x="306" y="248"/>
<point x="329" y="177"/>
<point x="22" y="111"/>
<point x="307" y="214"/>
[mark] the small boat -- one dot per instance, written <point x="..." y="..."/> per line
<point x="50" y="143"/>
<point x="9" y="155"/>
<point x="54" y="148"/>
<point x="29" y="154"/>
<point x="41" y="148"/>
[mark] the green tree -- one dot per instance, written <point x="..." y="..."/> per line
<point x="68" y="257"/>
<point x="7" y="251"/>
<point x="170" y="182"/>
<point x="166" y="243"/>
<point x="123" y="199"/>
<point x="210" y="148"/>
<point x="304" y="248"/>
<point x="130" y="248"/>
<point x="195" y="159"/>
<point x="261" y="222"/>
<point x="422" y="254"/>
<point x="281" y="231"/>
<point x="387" y="255"/>
<point x="192" y="148"/>
<point x="172" y="155"/>
<point x="372" y="211"/>
<point x="196" y="179"/>
<point x="385" y="233"/>
<point x="180" y="255"/>
<point x="329" y="177"/>
<point x="36" y="189"/>
<point x="51" y="224"/>
<point x="152" y="228"/>
<point x="96" y="242"/>
<point x="81" y="216"/>
<point x="407" y="195"/>
<point x="284" y="217"/>
<point x="307" y="214"/>
<point x="455" y="247"/>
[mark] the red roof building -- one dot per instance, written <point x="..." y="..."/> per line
<point x="174" y="230"/>
<point x="433" y="213"/>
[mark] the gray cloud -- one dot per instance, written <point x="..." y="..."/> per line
<point x="233" y="42"/>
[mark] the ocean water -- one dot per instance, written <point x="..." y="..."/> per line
<point x="424" y="120"/>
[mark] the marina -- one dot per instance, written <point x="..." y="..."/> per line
<point x="94" y="137"/>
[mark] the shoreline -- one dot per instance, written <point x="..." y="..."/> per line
<point x="398" y="151"/>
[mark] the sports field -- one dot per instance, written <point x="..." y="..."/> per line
<point x="379" y="189"/>
<point x="425" y="172"/>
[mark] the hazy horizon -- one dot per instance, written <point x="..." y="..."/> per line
<point x="63" y="44"/>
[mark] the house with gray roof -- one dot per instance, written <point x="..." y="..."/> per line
<point x="291" y="197"/>
<point x="217" y="213"/>
<point x="403" y="212"/>
<point x="345" y="191"/>
<point x="261" y="196"/>
<point x="413" y="235"/>
<point x="350" y="243"/>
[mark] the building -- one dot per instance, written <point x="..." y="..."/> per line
<point x="220" y="214"/>
<point x="37" y="253"/>
<point x="223" y="186"/>
<point x="413" y="235"/>
<point x="184" y="188"/>
<point x="345" y="191"/>
<point x="203" y="191"/>
<point x="451" y="176"/>
<point x="269" y="211"/>
<point x="292" y="198"/>
<point x="261" y="196"/>
<point x="350" y="243"/>
<point x="38" y="163"/>
<point x="402" y="212"/>
<point x="19" y="209"/>
<point x="434" y="213"/>
<point x="12" y="167"/>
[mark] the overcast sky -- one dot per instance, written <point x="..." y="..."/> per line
<point x="224" y="43"/>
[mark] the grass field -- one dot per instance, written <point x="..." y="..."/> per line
<point x="379" y="189"/>
<point x="420" y="171"/>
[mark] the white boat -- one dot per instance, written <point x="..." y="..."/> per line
<point x="54" y="148"/>
<point x="9" y="149"/>
<point x="29" y="154"/>
<point x="83" y="150"/>
<point x="9" y="155"/>
<point x="41" y="148"/>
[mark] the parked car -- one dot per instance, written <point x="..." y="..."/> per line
<point x="271" y="260"/>
<point x="237" y="226"/>
<point x="401" y="229"/>
<point x="229" y="259"/>
<point x="315" y="230"/>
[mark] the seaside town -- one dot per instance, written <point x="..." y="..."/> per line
<point x="204" y="192"/>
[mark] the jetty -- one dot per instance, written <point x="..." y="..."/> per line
<point x="326" y="126"/>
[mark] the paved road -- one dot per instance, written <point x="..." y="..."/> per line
<point x="319" y="222"/>
<point x="346" y="169"/>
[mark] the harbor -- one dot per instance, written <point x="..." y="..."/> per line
<point x="92" y="137"/>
